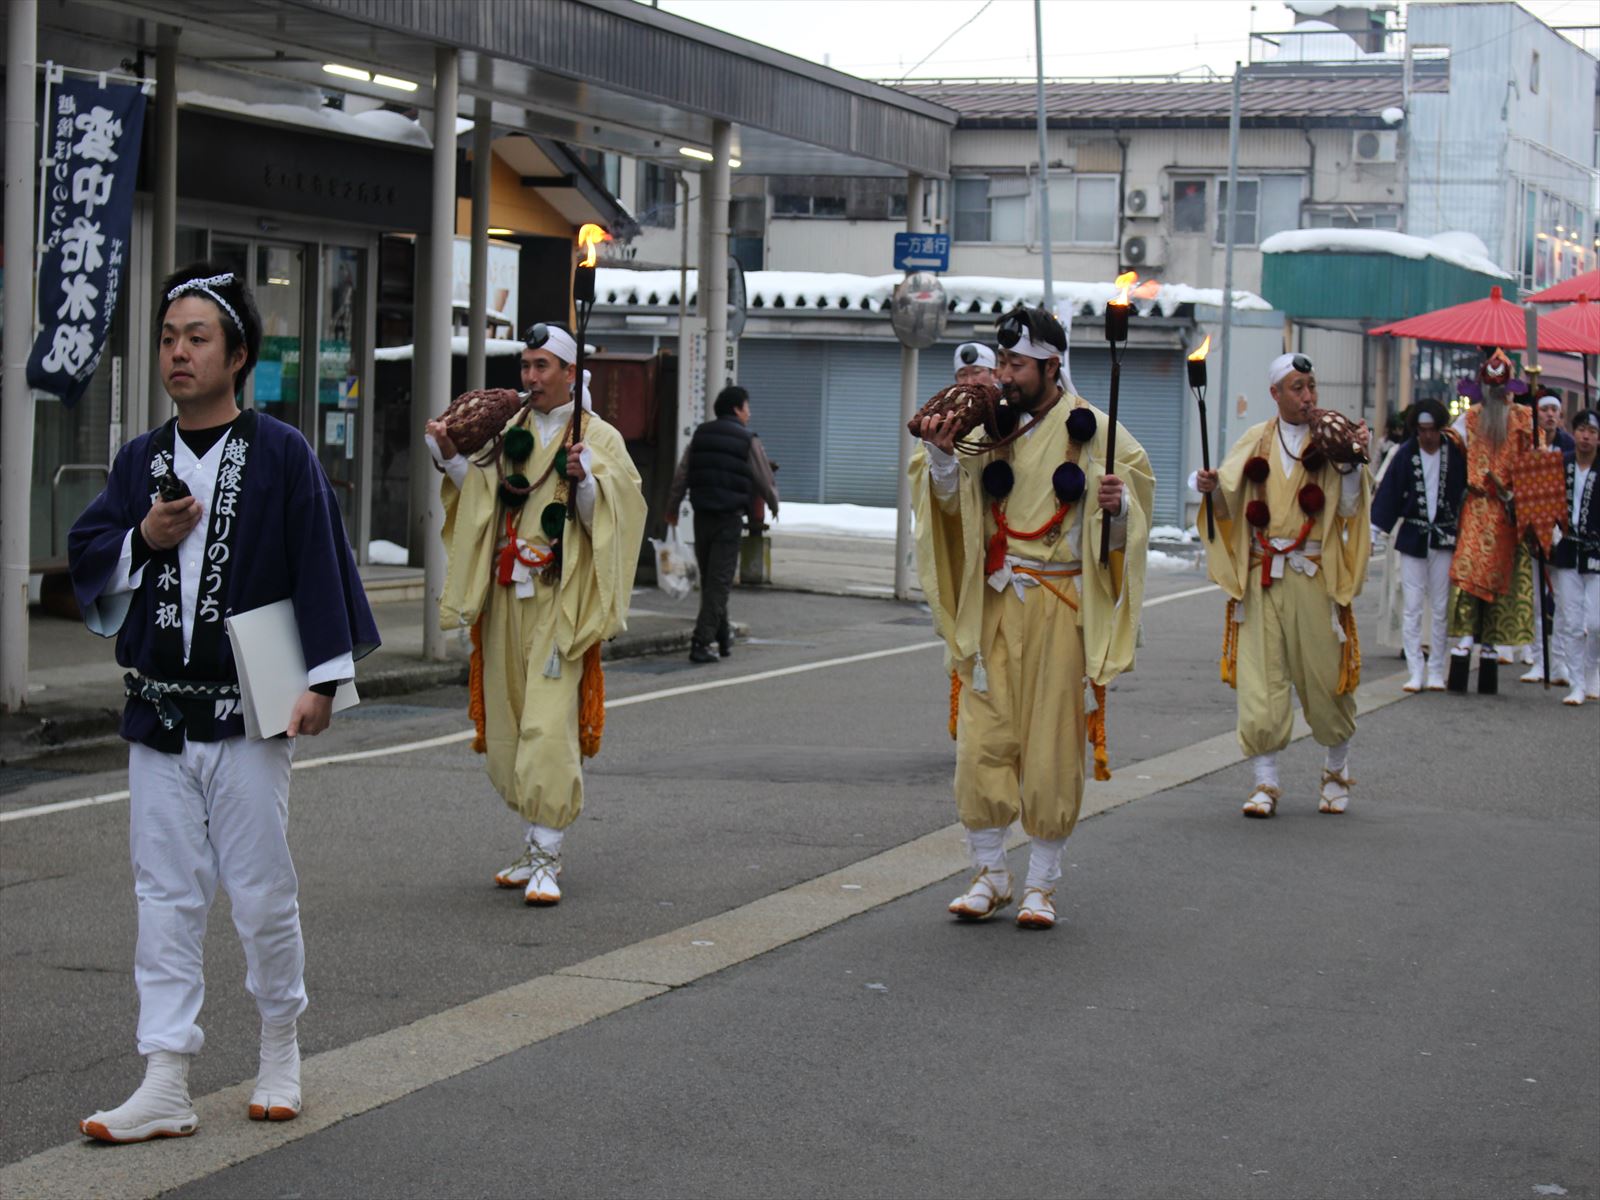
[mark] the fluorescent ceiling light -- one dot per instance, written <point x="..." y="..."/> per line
<point x="399" y="85"/>
<point x="734" y="162"/>
<point x="347" y="72"/>
<point x="496" y="231"/>
<point x="694" y="152"/>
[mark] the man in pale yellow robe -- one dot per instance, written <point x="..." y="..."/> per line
<point x="1034" y="625"/>
<point x="539" y="613"/>
<point x="1292" y="540"/>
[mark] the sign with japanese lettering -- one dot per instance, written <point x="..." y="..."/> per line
<point x="922" y="252"/>
<point x="91" y="155"/>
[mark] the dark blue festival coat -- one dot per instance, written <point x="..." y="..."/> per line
<point x="1579" y="547"/>
<point x="1402" y="497"/>
<point x="288" y="543"/>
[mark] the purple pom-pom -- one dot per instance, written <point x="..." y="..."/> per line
<point x="1080" y="425"/>
<point x="999" y="479"/>
<point x="1068" y="482"/>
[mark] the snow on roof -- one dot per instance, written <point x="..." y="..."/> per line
<point x="1454" y="246"/>
<point x="492" y="347"/>
<point x="838" y="291"/>
<point x="376" y="124"/>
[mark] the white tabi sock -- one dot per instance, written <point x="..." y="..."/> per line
<point x="1339" y="757"/>
<point x="547" y="839"/>
<point x="159" y="1105"/>
<point x="278" y="1080"/>
<point x="988" y="849"/>
<point x="1044" y="862"/>
<point x="1266" y="769"/>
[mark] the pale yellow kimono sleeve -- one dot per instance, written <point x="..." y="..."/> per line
<point x="1112" y="595"/>
<point x="598" y="563"/>
<point x="469" y="538"/>
<point x="949" y="556"/>
<point x="1228" y="554"/>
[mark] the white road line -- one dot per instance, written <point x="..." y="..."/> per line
<point x="44" y="810"/>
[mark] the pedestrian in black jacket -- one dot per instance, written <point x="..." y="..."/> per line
<point x="724" y="471"/>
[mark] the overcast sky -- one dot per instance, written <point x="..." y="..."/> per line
<point x="885" y="39"/>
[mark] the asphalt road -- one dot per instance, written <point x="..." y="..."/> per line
<point x="1401" y="1001"/>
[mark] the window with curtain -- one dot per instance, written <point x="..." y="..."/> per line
<point x="1267" y="206"/>
<point x="1189" y="205"/>
<point x="991" y="209"/>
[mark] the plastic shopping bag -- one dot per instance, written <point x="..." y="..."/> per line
<point x="675" y="569"/>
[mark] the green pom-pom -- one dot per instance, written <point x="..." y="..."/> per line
<point x="518" y="444"/>
<point x="514" y="491"/>
<point x="561" y="463"/>
<point x="553" y="520"/>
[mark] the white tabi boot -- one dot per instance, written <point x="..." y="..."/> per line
<point x="545" y="846"/>
<point x="277" y="1093"/>
<point x="1414" y="682"/>
<point x="160" y="1107"/>
<point x="1436" y="663"/>
<point x="989" y="890"/>
<point x="1038" y="910"/>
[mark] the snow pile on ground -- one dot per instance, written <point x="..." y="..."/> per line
<point x="1453" y="246"/>
<point x="1171" y="533"/>
<point x="823" y="291"/>
<point x="386" y="554"/>
<point x="847" y="520"/>
<point x="374" y="125"/>
<point x="1158" y="560"/>
<point x="492" y="347"/>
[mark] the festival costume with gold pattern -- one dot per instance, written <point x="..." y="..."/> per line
<point x="1492" y="573"/>
<point x="1290" y="584"/>
<point x="1033" y="626"/>
<point x="537" y="617"/>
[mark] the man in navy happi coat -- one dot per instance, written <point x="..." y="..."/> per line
<point x="1421" y="493"/>
<point x="215" y="513"/>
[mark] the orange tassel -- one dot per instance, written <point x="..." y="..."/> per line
<point x="1230" y="647"/>
<point x="591" y="703"/>
<point x="475" y="708"/>
<point x="955" y="702"/>
<point x="1349" y="654"/>
<point x="1096" y="723"/>
<point x="995" y="558"/>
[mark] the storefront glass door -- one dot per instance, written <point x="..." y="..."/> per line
<point x="339" y="387"/>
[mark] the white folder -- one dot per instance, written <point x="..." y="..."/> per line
<point x="272" y="668"/>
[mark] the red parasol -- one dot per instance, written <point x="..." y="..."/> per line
<point x="1491" y="322"/>
<point x="1577" y="323"/>
<point x="1569" y="290"/>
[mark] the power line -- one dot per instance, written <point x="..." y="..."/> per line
<point x="946" y="41"/>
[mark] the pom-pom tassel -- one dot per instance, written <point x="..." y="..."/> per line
<point x="552" y="665"/>
<point x="980" y="675"/>
<point x="591" y="703"/>
<point x="995" y="557"/>
<point x="475" y="708"/>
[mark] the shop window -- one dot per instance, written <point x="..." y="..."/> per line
<point x="1266" y="206"/>
<point x="991" y="209"/>
<point x="1083" y="209"/>
<point x="1188" y="206"/>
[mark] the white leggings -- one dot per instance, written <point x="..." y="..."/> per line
<point x="217" y="812"/>
<point x="1577" y="624"/>
<point x="1426" y="584"/>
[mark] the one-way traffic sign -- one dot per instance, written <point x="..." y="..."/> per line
<point x="922" y="252"/>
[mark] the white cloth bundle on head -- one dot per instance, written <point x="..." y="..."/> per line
<point x="980" y="355"/>
<point x="1281" y="367"/>
<point x="1029" y="348"/>
<point x="559" y="342"/>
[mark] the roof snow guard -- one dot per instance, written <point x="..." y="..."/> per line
<point x="838" y="293"/>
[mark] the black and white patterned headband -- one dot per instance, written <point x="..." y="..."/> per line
<point x="207" y="286"/>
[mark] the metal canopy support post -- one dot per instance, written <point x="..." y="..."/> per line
<point x="903" y="546"/>
<point x="164" y="216"/>
<point x="16" y="426"/>
<point x="478" y="284"/>
<point x="1230" y="217"/>
<point x="714" y="267"/>
<point x="433" y="391"/>
<point x="1044" y="164"/>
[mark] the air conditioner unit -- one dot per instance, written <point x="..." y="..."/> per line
<point x="1144" y="250"/>
<point x="1373" y="145"/>
<point x="1143" y="201"/>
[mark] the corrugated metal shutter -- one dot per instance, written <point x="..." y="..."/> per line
<point x="785" y="381"/>
<point x="1153" y="405"/>
<point x="861" y="419"/>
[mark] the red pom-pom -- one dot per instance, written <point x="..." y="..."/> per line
<point x="1256" y="469"/>
<point x="1311" y="499"/>
<point x="1313" y="460"/>
<point x="1257" y="512"/>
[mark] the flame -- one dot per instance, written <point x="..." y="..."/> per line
<point x="1123" y="282"/>
<point x="1148" y="290"/>
<point x="1200" y="354"/>
<point x="590" y="237"/>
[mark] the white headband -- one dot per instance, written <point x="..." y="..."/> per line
<point x="1549" y="402"/>
<point x="559" y="342"/>
<point x="205" y="285"/>
<point x="1425" y="418"/>
<point x="1029" y="348"/>
<point x="1281" y="367"/>
<point x="982" y="355"/>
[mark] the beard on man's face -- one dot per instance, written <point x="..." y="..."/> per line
<point x="1027" y="388"/>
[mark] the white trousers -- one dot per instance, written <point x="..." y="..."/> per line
<point x="217" y="812"/>
<point x="1426" y="583"/>
<point x="1577" y="624"/>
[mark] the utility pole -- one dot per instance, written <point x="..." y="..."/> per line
<point x="1229" y="212"/>
<point x="1044" y="160"/>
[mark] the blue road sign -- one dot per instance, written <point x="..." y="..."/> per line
<point x="922" y="252"/>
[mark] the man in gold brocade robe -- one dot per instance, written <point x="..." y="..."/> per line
<point x="541" y="592"/>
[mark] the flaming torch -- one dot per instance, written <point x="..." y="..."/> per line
<point x="589" y="239"/>
<point x="1117" y="311"/>
<point x="1197" y="384"/>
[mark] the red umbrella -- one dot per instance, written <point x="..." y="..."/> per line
<point x="1569" y="290"/>
<point x="1491" y="322"/>
<point x="1578" y="323"/>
